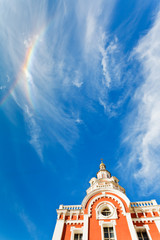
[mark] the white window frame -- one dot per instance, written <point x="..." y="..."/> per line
<point x="75" y="230"/>
<point x="103" y="205"/>
<point x="144" y="228"/>
<point x="104" y="224"/>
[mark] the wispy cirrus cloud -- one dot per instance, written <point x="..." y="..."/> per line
<point x="111" y="63"/>
<point x="55" y="68"/>
<point x="115" y="79"/>
<point x="77" y="80"/>
<point x="71" y="62"/>
<point x="143" y="130"/>
<point x="18" y="33"/>
<point x="34" y="131"/>
<point x="30" y="226"/>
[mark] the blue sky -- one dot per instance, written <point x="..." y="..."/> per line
<point x="79" y="81"/>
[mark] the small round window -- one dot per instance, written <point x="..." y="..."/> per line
<point x="106" y="211"/>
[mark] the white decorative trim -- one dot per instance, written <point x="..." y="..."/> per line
<point x="85" y="229"/>
<point x="57" y="235"/>
<point x="108" y="224"/>
<point x="70" y="207"/>
<point x="61" y="211"/>
<point x="144" y="214"/>
<point x="111" y="223"/>
<point x="150" y="208"/>
<point x="157" y="222"/>
<point x="114" y="191"/>
<point x="136" y="214"/>
<point x="75" y="230"/>
<point x="101" y="206"/>
<point x="151" y="203"/>
<point x="150" y="219"/>
<point x="108" y="196"/>
<point x="131" y="227"/>
<point x="74" y="222"/>
<point x="151" y="213"/>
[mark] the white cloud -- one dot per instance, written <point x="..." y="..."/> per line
<point x="31" y="228"/>
<point x="34" y="131"/>
<point x="60" y="55"/>
<point x="104" y="104"/>
<point x="27" y="43"/>
<point x="77" y="81"/>
<point x="93" y="19"/>
<point x="78" y="120"/>
<point x="112" y="62"/>
<point x="8" y="78"/>
<point x="143" y="131"/>
<point x="90" y="29"/>
<point x="115" y="78"/>
<point x="34" y="60"/>
<point x="105" y="61"/>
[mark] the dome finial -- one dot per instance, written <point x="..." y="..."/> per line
<point x="102" y="166"/>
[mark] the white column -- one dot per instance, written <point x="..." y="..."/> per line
<point x="157" y="222"/>
<point x="131" y="227"/>
<point x="85" y="229"/>
<point x="58" y="229"/>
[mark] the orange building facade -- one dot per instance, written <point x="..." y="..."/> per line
<point x="106" y="213"/>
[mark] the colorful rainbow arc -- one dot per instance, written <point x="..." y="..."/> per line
<point x="24" y="70"/>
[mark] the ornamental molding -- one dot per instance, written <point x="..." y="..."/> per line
<point x="151" y="219"/>
<point x="142" y="227"/>
<point x="103" y="205"/>
<point x="75" y="230"/>
<point x="69" y="212"/>
<point x="145" y="209"/>
<point x="81" y="222"/>
<point x="108" y="224"/>
<point x="109" y="196"/>
<point x="114" y="191"/>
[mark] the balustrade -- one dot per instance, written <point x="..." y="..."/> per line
<point x="142" y="204"/>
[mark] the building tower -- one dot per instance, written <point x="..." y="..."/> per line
<point x="106" y="213"/>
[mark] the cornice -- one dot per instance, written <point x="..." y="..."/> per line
<point x="152" y="208"/>
<point x="150" y="219"/>
<point x="74" y="222"/>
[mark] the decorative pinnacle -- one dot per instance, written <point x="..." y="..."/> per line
<point x="102" y="165"/>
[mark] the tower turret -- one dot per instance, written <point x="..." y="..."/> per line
<point x="103" y="173"/>
<point x="104" y="180"/>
